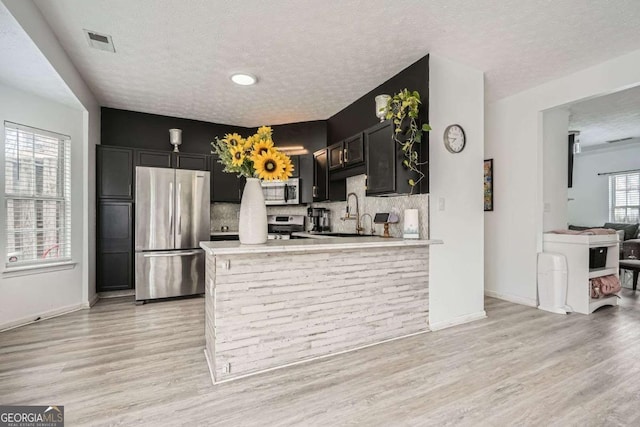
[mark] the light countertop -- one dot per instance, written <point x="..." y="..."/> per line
<point x="306" y="245"/>
<point x="224" y="233"/>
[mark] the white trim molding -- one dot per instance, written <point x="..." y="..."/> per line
<point x="437" y="326"/>
<point x="91" y="302"/>
<point x="300" y="362"/>
<point x="26" y="270"/>
<point x="512" y="298"/>
<point x="41" y="316"/>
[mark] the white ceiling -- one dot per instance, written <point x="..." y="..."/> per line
<point x="25" y="67"/>
<point x="313" y="58"/>
<point x="607" y="117"/>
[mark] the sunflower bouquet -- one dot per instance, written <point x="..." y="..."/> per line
<point x="253" y="157"/>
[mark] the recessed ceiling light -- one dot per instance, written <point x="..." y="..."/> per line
<point x="243" y="79"/>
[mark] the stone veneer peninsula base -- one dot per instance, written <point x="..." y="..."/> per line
<point x="286" y="302"/>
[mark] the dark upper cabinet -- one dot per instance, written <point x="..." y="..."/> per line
<point x="198" y="162"/>
<point x="296" y="166"/>
<point x="115" y="246"/>
<point x="353" y="150"/>
<point x="336" y="156"/>
<point x="225" y="187"/>
<point x="385" y="172"/>
<point x="320" y="175"/>
<point x="151" y="158"/>
<point x="346" y="154"/>
<point x="114" y="172"/>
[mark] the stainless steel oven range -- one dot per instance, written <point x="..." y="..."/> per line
<point x="281" y="227"/>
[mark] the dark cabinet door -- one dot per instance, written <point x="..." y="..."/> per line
<point x="353" y="150"/>
<point x="381" y="159"/>
<point x="335" y="154"/>
<point x="157" y="159"/>
<point x="225" y="187"/>
<point x="115" y="246"/>
<point x="296" y="166"/>
<point x="385" y="172"/>
<point x="114" y="173"/>
<point x="199" y="162"/>
<point x="320" y="175"/>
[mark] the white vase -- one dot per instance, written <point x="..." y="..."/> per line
<point x="252" y="226"/>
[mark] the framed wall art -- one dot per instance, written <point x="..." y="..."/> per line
<point x="488" y="185"/>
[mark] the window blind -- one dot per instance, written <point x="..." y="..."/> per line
<point x="38" y="195"/>
<point x="624" y="197"/>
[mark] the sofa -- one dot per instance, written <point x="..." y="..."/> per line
<point x="630" y="240"/>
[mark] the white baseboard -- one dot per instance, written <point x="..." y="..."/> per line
<point x="91" y="302"/>
<point x="299" y="362"/>
<point x="512" y="298"/>
<point x="42" y="316"/>
<point x="458" y="321"/>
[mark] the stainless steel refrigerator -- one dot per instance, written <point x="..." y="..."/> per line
<point x="172" y="218"/>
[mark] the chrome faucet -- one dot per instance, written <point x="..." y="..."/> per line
<point x="348" y="214"/>
<point x="371" y="230"/>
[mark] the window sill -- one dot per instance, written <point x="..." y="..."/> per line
<point x="27" y="270"/>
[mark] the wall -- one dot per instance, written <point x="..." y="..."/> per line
<point x="590" y="193"/>
<point x="151" y="131"/>
<point x="34" y="24"/>
<point x="556" y="168"/>
<point x="361" y="114"/>
<point x="227" y="213"/>
<point x="456" y="95"/>
<point x="25" y="297"/>
<point x="514" y="139"/>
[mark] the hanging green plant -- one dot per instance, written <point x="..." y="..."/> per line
<point x="403" y="108"/>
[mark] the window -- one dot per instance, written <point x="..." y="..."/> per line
<point x="624" y="196"/>
<point x="37" y="193"/>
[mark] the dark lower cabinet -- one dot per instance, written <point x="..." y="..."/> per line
<point x="320" y="176"/>
<point x="115" y="246"/>
<point x="114" y="171"/>
<point x="385" y="172"/>
<point x="150" y="158"/>
<point x="198" y="162"/>
<point x="225" y="187"/>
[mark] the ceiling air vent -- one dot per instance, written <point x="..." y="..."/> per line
<point x="99" y="41"/>
<point x="613" y="141"/>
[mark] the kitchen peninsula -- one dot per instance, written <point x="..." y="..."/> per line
<point x="289" y="301"/>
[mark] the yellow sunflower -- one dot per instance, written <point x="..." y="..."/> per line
<point x="247" y="145"/>
<point x="264" y="132"/>
<point x="287" y="171"/>
<point x="237" y="155"/>
<point x="233" y="139"/>
<point x="268" y="166"/>
<point x="262" y="147"/>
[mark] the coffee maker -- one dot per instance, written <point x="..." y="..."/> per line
<point x="319" y="219"/>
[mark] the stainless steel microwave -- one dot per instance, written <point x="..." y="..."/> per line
<point x="281" y="192"/>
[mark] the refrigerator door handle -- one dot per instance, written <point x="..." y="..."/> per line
<point x="173" y="253"/>
<point x="171" y="208"/>
<point x="179" y="210"/>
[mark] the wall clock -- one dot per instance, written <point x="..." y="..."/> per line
<point x="454" y="138"/>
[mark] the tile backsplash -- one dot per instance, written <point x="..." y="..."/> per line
<point x="226" y="214"/>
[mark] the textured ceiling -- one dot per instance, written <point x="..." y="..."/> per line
<point x="313" y="58"/>
<point x="607" y="118"/>
<point x="25" y="67"/>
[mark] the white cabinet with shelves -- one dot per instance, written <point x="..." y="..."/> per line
<point x="576" y="250"/>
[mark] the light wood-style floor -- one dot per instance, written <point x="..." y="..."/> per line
<point x="121" y="364"/>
